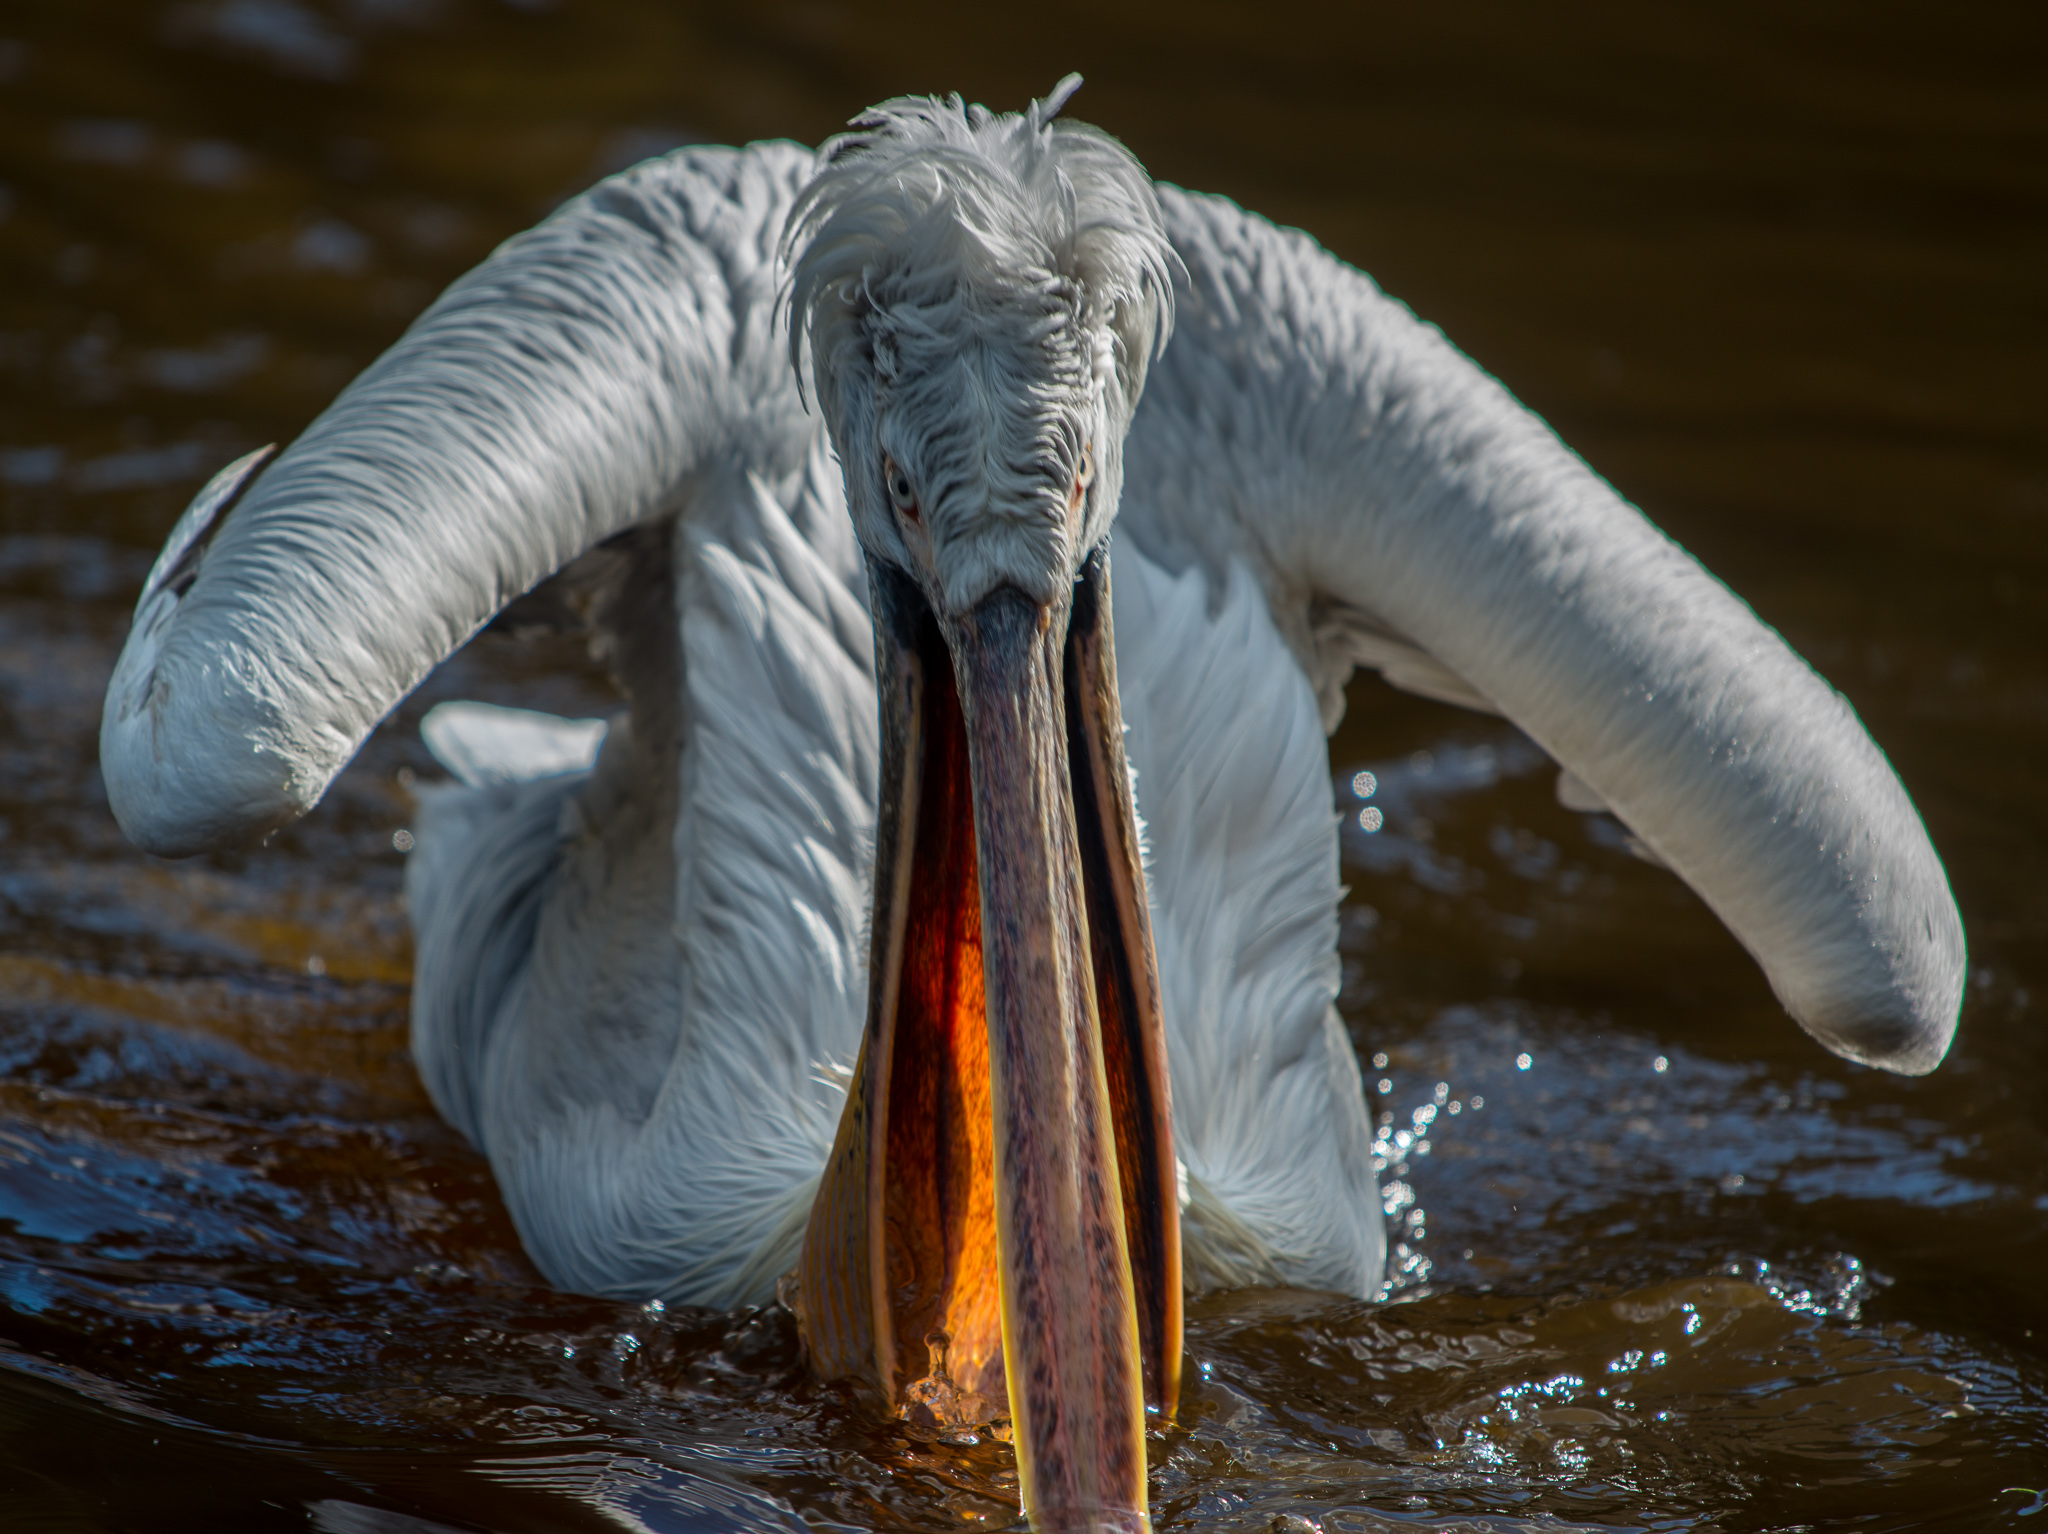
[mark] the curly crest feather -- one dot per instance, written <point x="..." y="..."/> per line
<point x="982" y="294"/>
<point x="925" y="200"/>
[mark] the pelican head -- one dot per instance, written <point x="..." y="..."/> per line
<point x="981" y="294"/>
<point x="996" y="1233"/>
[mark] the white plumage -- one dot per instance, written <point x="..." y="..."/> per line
<point x="640" y="982"/>
<point x="1233" y="781"/>
<point x="586" y="1110"/>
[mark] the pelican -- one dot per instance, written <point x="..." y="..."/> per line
<point x="942" y="932"/>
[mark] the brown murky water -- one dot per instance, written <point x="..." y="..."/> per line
<point x="1777" y="270"/>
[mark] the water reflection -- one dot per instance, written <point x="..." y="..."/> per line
<point x="1631" y="1409"/>
<point x="1681" y="1270"/>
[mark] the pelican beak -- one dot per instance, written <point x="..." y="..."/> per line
<point x="997" y="1232"/>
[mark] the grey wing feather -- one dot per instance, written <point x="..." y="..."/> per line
<point x="568" y="388"/>
<point x="1307" y="424"/>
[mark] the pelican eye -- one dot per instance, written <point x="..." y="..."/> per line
<point x="900" y="493"/>
<point x="1084" y="476"/>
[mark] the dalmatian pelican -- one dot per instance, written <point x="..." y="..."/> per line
<point x="942" y="932"/>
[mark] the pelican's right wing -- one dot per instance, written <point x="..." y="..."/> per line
<point x="571" y="386"/>
<point x="1405" y="510"/>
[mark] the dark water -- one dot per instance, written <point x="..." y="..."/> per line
<point x="1777" y="270"/>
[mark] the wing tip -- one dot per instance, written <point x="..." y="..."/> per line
<point x="187" y="761"/>
<point x="1904" y="1046"/>
<point x="1906" y="1021"/>
<point x="174" y="792"/>
<point x="169" y="809"/>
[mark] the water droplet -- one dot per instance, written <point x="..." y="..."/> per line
<point x="401" y="840"/>
<point x="1363" y="784"/>
<point x="1524" y="1061"/>
<point x="1379" y="1061"/>
<point x="1370" y="819"/>
<point x="1660" y="1065"/>
<point x="315" y="965"/>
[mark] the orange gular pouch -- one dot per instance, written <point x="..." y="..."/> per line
<point x="939" y="1212"/>
<point x="904" y="1273"/>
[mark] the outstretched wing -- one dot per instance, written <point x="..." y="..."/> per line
<point x="573" y="385"/>
<point x="1404" y="510"/>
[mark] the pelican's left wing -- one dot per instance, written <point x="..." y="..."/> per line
<point x="1404" y="510"/>
<point x="575" y="384"/>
